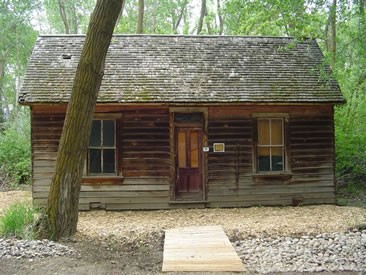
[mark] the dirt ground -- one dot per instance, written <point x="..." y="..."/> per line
<point x="131" y="242"/>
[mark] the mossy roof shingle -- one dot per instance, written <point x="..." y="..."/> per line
<point x="186" y="69"/>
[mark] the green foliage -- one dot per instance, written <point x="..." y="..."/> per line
<point x="15" y="161"/>
<point x="18" y="221"/>
<point x="350" y="153"/>
<point x="16" y="45"/>
<point x="161" y="17"/>
<point x="74" y="17"/>
<point x="300" y="19"/>
<point x="350" y="71"/>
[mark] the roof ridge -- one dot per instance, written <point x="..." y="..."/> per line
<point x="175" y="35"/>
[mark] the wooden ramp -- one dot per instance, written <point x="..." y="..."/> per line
<point x="199" y="249"/>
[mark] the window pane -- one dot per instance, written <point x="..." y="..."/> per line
<point x="264" y="163"/>
<point x="108" y="133"/>
<point x="276" y="151"/>
<point x="263" y="132"/>
<point x="95" y="161"/>
<point x="263" y="151"/>
<point x="277" y="163"/>
<point x="264" y="159"/>
<point x="194" y="150"/>
<point x="182" y="161"/>
<point x="276" y="132"/>
<point x="95" y="138"/>
<point x="270" y="145"/>
<point x="109" y="165"/>
<point x="188" y="117"/>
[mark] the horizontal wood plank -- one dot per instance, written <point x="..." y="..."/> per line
<point x="199" y="249"/>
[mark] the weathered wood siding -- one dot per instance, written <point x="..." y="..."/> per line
<point x="310" y="140"/>
<point x="46" y="132"/>
<point x="144" y="161"/>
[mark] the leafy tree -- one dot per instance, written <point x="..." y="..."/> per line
<point x="62" y="207"/>
<point x="350" y="69"/>
<point x="203" y="14"/>
<point x="16" y="44"/>
<point x="160" y="17"/>
<point x="128" y="20"/>
<point x="68" y="16"/>
<point x="15" y="161"/>
<point x="303" y="18"/>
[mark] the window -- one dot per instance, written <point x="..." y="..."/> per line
<point x="102" y="148"/>
<point x="270" y="145"/>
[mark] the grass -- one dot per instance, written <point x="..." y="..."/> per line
<point x="352" y="194"/>
<point x="18" y="221"/>
<point x="356" y="188"/>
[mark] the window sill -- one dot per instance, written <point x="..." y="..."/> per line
<point x="271" y="176"/>
<point x="104" y="180"/>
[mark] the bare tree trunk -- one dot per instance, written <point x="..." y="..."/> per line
<point x="2" y="96"/>
<point x="202" y="16"/>
<point x="208" y="25"/>
<point x="62" y="207"/>
<point x="180" y="16"/>
<point x="63" y="14"/>
<point x="332" y="23"/>
<point x="326" y="35"/>
<point x="74" y="18"/>
<point x="140" y="19"/>
<point x="221" y="19"/>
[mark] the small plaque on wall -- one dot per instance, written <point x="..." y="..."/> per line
<point x="219" y="147"/>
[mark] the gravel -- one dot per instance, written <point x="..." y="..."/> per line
<point x="328" y="252"/>
<point x="268" y="239"/>
<point x="19" y="249"/>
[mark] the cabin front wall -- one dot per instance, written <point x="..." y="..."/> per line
<point x="147" y="168"/>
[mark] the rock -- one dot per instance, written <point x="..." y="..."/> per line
<point x="320" y="253"/>
<point x="18" y="249"/>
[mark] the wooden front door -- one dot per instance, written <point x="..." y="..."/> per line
<point x="189" y="164"/>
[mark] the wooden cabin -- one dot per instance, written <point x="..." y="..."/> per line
<point x="191" y="121"/>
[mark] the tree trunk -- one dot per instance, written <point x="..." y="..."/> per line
<point x="74" y="18"/>
<point x="221" y="19"/>
<point x="202" y="16"/>
<point x="2" y="95"/>
<point x="62" y="10"/>
<point x="180" y="16"/>
<point x="62" y="208"/>
<point x="326" y="35"/>
<point x="332" y="21"/>
<point x="140" y="20"/>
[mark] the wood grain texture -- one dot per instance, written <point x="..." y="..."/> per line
<point x="199" y="249"/>
<point x="146" y="160"/>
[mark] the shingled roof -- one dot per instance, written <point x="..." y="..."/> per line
<point x="186" y="69"/>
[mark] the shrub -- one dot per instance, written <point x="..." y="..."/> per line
<point x="351" y="157"/>
<point x="18" y="221"/>
<point x="15" y="162"/>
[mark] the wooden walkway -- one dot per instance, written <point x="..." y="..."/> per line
<point x="199" y="249"/>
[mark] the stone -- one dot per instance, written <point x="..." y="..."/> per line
<point x="320" y="253"/>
